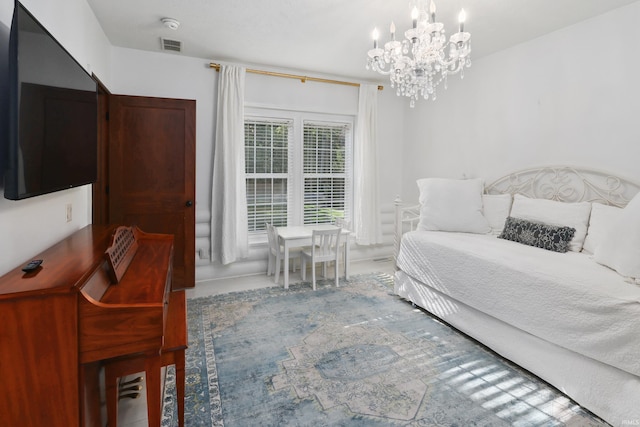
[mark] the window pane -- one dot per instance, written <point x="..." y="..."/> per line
<point x="266" y="202"/>
<point x="280" y="136"/>
<point x="324" y="149"/>
<point x="249" y="159"/>
<point x="263" y="160"/>
<point x="266" y="164"/>
<point x="279" y="160"/>
<point x="324" y="200"/>
<point x="266" y="146"/>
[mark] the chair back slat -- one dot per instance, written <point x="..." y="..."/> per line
<point x="325" y="244"/>
<point x="272" y="237"/>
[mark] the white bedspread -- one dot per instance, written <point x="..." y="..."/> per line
<point x="567" y="299"/>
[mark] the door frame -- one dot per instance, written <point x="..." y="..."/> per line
<point x="100" y="189"/>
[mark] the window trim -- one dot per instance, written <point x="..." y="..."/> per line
<point x="295" y="215"/>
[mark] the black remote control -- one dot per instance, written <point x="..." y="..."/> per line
<point x="32" y="265"/>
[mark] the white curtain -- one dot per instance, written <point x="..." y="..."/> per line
<point x="229" y="230"/>
<point x="366" y="219"/>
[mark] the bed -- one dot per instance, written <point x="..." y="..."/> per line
<point x="562" y="316"/>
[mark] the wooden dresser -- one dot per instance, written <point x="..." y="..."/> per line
<point x="62" y="322"/>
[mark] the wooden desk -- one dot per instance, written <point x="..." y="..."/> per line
<point x="300" y="235"/>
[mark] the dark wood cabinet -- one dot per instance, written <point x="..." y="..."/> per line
<point x="38" y="336"/>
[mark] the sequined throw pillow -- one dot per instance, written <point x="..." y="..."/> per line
<point x="545" y="236"/>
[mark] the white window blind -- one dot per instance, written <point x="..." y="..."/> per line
<point x="298" y="168"/>
<point x="267" y="172"/>
<point x="325" y="172"/>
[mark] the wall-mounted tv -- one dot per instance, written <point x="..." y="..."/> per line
<point x="52" y="126"/>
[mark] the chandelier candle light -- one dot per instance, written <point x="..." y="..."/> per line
<point x="418" y="64"/>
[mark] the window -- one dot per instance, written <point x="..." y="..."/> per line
<point x="266" y="148"/>
<point x="298" y="168"/>
<point x="324" y="172"/>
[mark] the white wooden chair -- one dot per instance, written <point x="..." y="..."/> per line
<point x="325" y="247"/>
<point x="342" y="223"/>
<point x="276" y="253"/>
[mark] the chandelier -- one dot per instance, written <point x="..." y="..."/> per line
<point x="418" y="64"/>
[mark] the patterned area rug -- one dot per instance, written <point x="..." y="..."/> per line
<point x="351" y="356"/>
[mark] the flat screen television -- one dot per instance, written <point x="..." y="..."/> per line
<point x="52" y="114"/>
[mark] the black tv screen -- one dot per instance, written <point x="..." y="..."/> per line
<point x="52" y="142"/>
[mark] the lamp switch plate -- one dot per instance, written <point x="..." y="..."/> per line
<point x="69" y="212"/>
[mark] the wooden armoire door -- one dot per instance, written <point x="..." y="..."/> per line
<point x="152" y="172"/>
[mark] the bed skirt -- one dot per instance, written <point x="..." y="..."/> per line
<point x="610" y="393"/>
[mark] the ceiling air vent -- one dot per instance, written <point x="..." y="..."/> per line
<point x="172" y="45"/>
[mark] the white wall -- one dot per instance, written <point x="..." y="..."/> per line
<point x="569" y="97"/>
<point x="29" y="226"/>
<point x="136" y="72"/>
<point x="169" y="75"/>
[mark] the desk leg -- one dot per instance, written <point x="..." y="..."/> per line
<point x="180" y="379"/>
<point x="286" y="265"/>
<point x="346" y="259"/>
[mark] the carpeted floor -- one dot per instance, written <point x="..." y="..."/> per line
<point x="351" y="356"/>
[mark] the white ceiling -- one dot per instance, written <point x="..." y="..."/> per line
<point x="324" y="36"/>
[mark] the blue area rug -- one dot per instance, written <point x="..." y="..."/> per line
<point x="356" y="355"/>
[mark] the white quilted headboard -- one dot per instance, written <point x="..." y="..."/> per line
<point x="567" y="184"/>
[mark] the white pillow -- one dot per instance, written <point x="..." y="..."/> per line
<point x="552" y="212"/>
<point x="603" y="217"/>
<point x="620" y="249"/>
<point x="452" y="205"/>
<point x="496" y="208"/>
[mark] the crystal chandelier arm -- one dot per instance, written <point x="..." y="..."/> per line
<point x="377" y="63"/>
<point x="382" y="70"/>
<point x="453" y="67"/>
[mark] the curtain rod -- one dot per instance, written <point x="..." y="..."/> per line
<point x="303" y="79"/>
